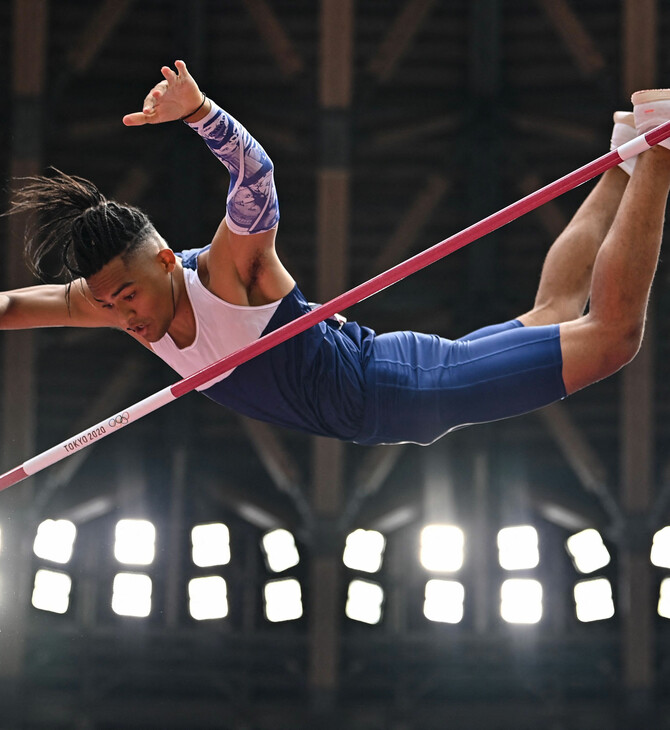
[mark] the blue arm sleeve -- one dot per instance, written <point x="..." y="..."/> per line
<point x="252" y="204"/>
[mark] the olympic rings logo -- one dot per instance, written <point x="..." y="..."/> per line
<point x="119" y="420"/>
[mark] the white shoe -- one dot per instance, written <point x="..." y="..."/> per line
<point x="623" y="131"/>
<point x="651" y="108"/>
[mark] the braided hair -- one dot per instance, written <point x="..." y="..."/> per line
<point x="74" y="230"/>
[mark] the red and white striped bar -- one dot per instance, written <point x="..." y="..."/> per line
<point x="338" y="304"/>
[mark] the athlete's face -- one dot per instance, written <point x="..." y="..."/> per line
<point x="138" y="292"/>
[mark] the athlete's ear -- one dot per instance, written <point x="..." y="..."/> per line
<point x="167" y="259"/>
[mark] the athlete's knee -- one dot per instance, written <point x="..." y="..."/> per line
<point x="592" y="351"/>
<point x="622" y="352"/>
<point x="620" y="344"/>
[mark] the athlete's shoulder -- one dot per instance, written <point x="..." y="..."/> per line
<point x="189" y="256"/>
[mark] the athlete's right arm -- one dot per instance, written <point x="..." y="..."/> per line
<point x="46" y="305"/>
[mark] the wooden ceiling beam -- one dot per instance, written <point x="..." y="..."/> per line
<point x="640" y="45"/>
<point x="407" y="231"/>
<point x="551" y="127"/>
<point x="550" y="214"/>
<point x="110" y="397"/>
<point x="92" y="39"/>
<point x="575" y="37"/>
<point x="276" y="38"/>
<point x="278" y="463"/>
<point x="266" y="512"/>
<point x="371" y="475"/>
<point x="399" y="38"/>
<point x="396" y="137"/>
<point x="336" y="54"/>
<point x="29" y="38"/>
<point x="584" y="461"/>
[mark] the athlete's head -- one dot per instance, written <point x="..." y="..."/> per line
<point x="76" y="233"/>
<point x="74" y="229"/>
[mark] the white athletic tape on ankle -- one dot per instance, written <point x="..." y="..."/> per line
<point x="632" y="148"/>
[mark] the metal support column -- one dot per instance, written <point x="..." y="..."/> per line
<point x="29" y="35"/>
<point x="640" y="34"/>
<point x="335" y="93"/>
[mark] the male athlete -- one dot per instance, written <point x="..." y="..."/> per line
<point x="344" y="381"/>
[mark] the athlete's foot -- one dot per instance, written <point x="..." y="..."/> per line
<point x="651" y="108"/>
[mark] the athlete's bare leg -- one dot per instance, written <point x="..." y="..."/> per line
<point x="609" y="336"/>
<point x="565" y="283"/>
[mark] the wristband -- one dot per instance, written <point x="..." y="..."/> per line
<point x="190" y="114"/>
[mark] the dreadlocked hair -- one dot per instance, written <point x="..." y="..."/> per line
<point x="74" y="230"/>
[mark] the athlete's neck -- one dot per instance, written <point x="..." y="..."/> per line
<point x="182" y="329"/>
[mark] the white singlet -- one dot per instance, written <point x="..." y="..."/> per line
<point x="220" y="328"/>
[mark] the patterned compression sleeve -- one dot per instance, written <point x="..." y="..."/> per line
<point x="252" y="204"/>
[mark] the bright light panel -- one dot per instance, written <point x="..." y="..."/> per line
<point x="593" y="600"/>
<point x="51" y="591"/>
<point x="283" y="600"/>
<point x="660" y="549"/>
<point x="54" y="540"/>
<point x="521" y="601"/>
<point x="364" y="550"/>
<point x="444" y="601"/>
<point x="442" y="548"/>
<point x="280" y="550"/>
<point x="518" y="547"/>
<point x="135" y="542"/>
<point x="364" y="602"/>
<point x="588" y="551"/>
<point x="132" y="595"/>
<point x="211" y="545"/>
<point x="664" y="599"/>
<point x="208" y="598"/>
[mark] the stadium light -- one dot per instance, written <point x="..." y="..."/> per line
<point x="131" y="595"/>
<point x="521" y="601"/>
<point x="442" y="548"/>
<point x="364" y="550"/>
<point x="664" y="598"/>
<point x="444" y="601"/>
<point x="208" y="598"/>
<point x="518" y="547"/>
<point x="55" y="540"/>
<point x="593" y="600"/>
<point x="283" y="600"/>
<point x="280" y="550"/>
<point x="51" y="591"/>
<point x="210" y="545"/>
<point x="660" y="549"/>
<point x="364" y="601"/>
<point x="588" y="551"/>
<point x="135" y="542"/>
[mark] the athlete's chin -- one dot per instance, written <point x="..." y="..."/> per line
<point x="153" y="334"/>
<point x="150" y="336"/>
<point x="147" y="333"/>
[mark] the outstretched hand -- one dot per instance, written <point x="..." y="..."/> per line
<point x="175" y="97"/>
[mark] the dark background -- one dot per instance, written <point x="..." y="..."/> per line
<point x="392" y="124"/>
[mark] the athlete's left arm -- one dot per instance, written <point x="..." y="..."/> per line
<point x="244" y="245"/>
<point x="242" y="264"/>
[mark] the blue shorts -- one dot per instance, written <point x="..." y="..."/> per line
<point x="419" y="387"/>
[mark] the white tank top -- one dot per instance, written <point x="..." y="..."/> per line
<point x="220" y="328"/>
